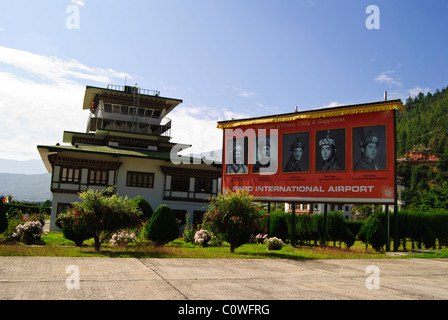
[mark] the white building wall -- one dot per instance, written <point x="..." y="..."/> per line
<point x="153" y="195"/>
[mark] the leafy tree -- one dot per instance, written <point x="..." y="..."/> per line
<point x="278" y="226"/>
<point x="100" y="215"/>
<point x="162" y="227"/>
<point x="336" y="226"/>
<point x="234" y="215"/>
<point x="348" y="238"/>
<point x="376" y="233"/>
<point x="73" y="227"/>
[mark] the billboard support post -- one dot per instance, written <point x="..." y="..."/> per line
<point x="269" y="219"/>
<point x="293" y="224"/>
<point x="387" y="229"/>
<point x="396" y="240"/>
<point x="324" y="233"/>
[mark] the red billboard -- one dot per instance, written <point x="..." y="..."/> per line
<point x="336" y="155"/>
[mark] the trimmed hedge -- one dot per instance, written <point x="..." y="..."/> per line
<point x="428" y="229"/>
<point x="309" y="228"/>
<point x="162" y="227"/>
<point x="27" y="208"/>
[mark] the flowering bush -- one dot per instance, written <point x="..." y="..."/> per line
<point x="122" y="239"/>
<point x="29" y="232"/>
<point x="261" y="237"/>
<point x="99" y="215"/>
<point x="234" y="215"/>
<point x="274" y="243"/>
<point x="203" y="237"/>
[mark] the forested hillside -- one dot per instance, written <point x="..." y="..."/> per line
<point x="424" y="126"/>
<point x="424" y="122"/>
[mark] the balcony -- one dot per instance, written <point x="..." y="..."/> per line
<point x="163" y="128"/>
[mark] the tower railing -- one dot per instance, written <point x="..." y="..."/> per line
<point x="147" y="92"/>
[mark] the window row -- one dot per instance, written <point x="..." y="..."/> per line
<point x="137" y="179"/>
<point x="133" y="111"/>
<point x="73" y="176"/>
<point x="182" y="184"/>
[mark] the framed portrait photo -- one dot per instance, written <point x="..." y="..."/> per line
<point x="296" y="152"/>
<point x="331" y="150"/>
<point x="370" y="148"/>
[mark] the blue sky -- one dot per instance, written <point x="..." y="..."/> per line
<point x="224" y="59"/>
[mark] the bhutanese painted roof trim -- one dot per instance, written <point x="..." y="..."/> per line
<point x="315" y="114"/>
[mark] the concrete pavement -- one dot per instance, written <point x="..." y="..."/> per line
<point x="55" y="278"/>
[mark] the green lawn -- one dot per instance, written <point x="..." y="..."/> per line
<point x="54" y="244"/>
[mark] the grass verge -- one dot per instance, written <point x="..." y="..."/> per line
<point x="55" y="245"/>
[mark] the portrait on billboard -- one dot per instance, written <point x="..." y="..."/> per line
<point x="330" y="150"/>
<point x="265" y="154"/>
<point x="296" y="152"/>
<point x="237" y="155"/>
<point x="369" y="148"/>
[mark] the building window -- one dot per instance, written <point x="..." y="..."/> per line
<point x="98" y="177"/>
<point x="70" y="175"/>
<point x="203" y="185"/>
<point x="140" y="179"/>
<point x="181" y="216"/>
<point x="197" y="217"/>
<point x="180" y="183"/>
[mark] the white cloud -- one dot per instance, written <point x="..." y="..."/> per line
<point x="198" y="126"/>
<point x="244" y="93"/>
<point x="331" y="105"/>
<point x="415" y="91"/>
<point x="55" y="69"/>
<point x="40" y="97"/>
<point x="404" y="94"/>
<point x="387" y="77"/>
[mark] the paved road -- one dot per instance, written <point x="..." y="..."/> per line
<point x="221" y="279"/>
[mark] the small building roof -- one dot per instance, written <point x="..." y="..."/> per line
<point x="146" y="100"/>
<point x="45" y="151"/>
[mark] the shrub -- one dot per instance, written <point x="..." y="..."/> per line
<point x="144" y="207"/>
<point x="336" y="226"/>
<point x="188" y="234"/>
<point x="348" y="238"/>
<point x="162" y="227"/>
<point x="99" y="215"/>
<point x="122" y="239"/>
<point x="73" y="227"/>
<point x="428" y="238"/>
<point x="203" y="237"/>
<point x="278" y="226"/>
<point x="261" y="237"/>
<point x="274" y="243"/>
<point x="234" y="215"/>
<point x="376" y="234"/>
<point x="3" y="218"/>
<point x="30" y="232"/>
